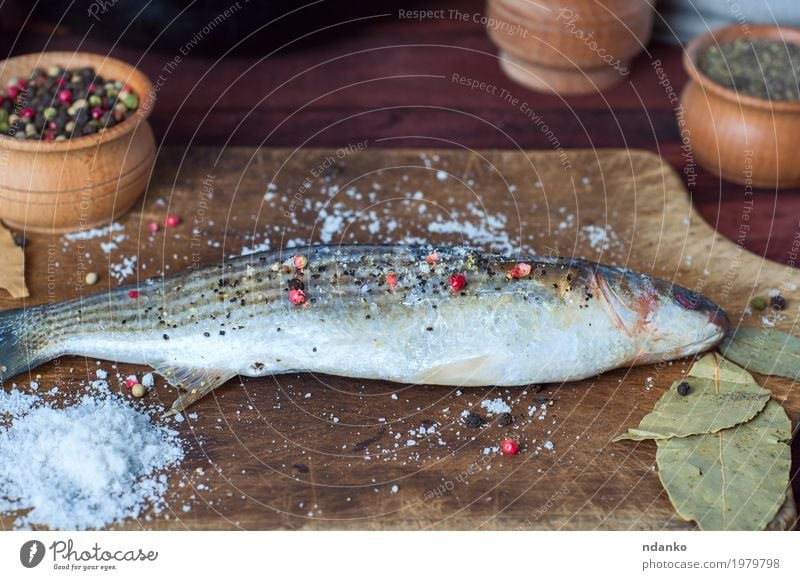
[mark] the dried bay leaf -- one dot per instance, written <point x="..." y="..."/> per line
<point x="12" y="265"/>
<point x="735" y="479"/>
<point x="722" y="395"/>
<point x="764" y="350"/>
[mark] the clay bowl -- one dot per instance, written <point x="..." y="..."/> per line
<point x="575" y="47"/>
<point x="49" y="186"/>
<point x="746" y="140"/>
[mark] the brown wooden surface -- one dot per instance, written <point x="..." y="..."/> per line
<point x="273" y="458"/>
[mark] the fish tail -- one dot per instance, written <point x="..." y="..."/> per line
<point x="22" y="341"/>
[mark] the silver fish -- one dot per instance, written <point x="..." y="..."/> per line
<point x="398" y="313"/>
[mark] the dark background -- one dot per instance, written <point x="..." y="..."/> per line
<point x="335" y="73"/>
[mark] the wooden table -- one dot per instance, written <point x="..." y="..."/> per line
<point x="389" y="82"/>
<point x="320" y="452"/>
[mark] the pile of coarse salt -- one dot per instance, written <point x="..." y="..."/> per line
<point x="88" y="465"/>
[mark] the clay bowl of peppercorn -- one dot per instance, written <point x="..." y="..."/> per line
<point x="741" y="107"/>
<point x="76" y="149"/>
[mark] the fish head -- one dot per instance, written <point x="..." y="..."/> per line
<point x="668" y="321"/>
<point x="683" y="323"/>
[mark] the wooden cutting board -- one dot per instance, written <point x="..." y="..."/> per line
<point x="311" y="452"/>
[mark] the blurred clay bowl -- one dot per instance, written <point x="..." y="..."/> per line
<point x="60" y="186"/>
<point x="746" y="140"/>
<point x="572" y="47"/>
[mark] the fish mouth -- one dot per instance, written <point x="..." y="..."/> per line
<point x="719" y="319"/>
<point x="715" y="333"/>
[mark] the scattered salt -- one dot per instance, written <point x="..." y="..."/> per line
<point x="94" y="232"/>
<point x="497" y="405"/>
<point x="99" y="466"/>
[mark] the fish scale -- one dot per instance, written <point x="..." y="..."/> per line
<point x="564" y="319"/>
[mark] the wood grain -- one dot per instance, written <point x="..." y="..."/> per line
<point x="275" y="457"/>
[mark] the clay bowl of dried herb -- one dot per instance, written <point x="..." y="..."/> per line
<point x="740" y="110"/>
<point x="76" y="149"/>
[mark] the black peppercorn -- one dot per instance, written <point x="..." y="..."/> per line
<point x="777" y="302"/>
<point x="473" y="420"/>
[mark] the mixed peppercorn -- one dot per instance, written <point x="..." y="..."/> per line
<point x="58" y="104"/>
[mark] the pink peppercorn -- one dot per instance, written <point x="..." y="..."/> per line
<point x="130" y="382"/>
<point x="457" y="282"/>
<point x="300" y="261"/>
<point x="433" y="258"/>
<point x="509" y="447"/>
<point x="133" y="294"/>
<point x="297" y="297"/>
<point x="65" y="96"/>
<point x="391" y="280"/>
<point x="520" y="270"/>
<point x="97" y="112"/>
<point x="27" y="113"/>
<point x="152" y="227"/>
<point x="12" y="92"/>
<point x="173" y="221"/>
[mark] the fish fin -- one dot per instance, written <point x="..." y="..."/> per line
<point x="195" y="383"/>
<point x="475" y="371"/>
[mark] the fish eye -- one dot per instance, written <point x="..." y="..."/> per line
<point x="686" y="298"/>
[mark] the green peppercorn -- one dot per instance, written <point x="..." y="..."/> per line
<point x="131" y="101"/>
<point x="758" y="303"/>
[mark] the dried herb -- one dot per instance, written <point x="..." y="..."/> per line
<point x="722" y="395"/>
<point x="764" y="350"/>
<point x="735" y="479"/>
<point x="761" y="67"/>
<point x="12" y="274"/>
